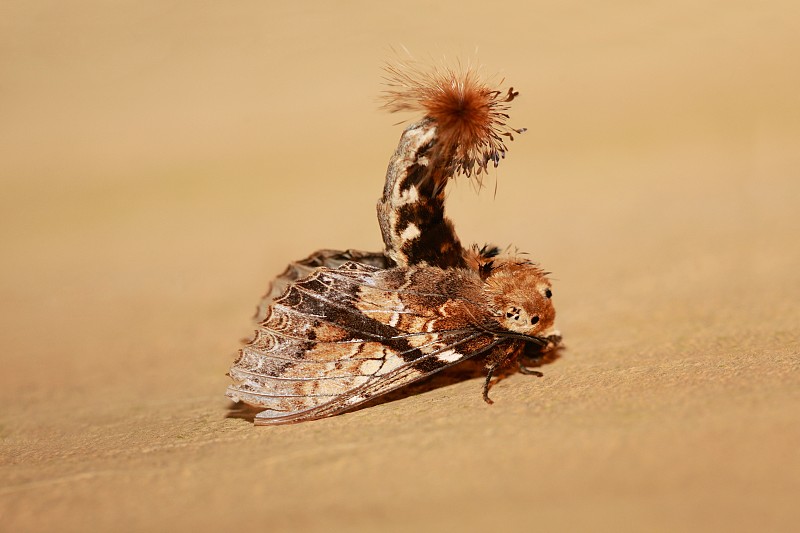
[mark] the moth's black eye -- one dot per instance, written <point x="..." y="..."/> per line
<point x="548" y="293"/>
<point x="534" y="320"/>
<point x="509" y="315"/>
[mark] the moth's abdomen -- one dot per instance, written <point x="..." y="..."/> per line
<point x="462" y="132"/>
<point x="411" y="210"/>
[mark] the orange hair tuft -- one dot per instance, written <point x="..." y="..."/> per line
<point x="471" y="117"/>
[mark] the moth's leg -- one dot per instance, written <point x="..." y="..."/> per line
<point x="495" y="360"/>
<point x="528" y="371"/>
<point x="542" y="354"/>
<point x="513" y="353"/>
<point x="553" y="342"/>
<point x="411" y="211"/>
<point x="488" y="382"/>
<point x="522" y="368"/>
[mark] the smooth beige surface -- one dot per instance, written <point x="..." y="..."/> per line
<point x="161" y="161"/>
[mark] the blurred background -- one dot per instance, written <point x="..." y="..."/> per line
<point x="162" y="161"/>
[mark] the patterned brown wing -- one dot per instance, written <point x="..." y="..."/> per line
<point x="304" y="267"/>
<point x="340" y="337"/>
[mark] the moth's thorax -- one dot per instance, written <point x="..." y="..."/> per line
<point x="519" y="295"/>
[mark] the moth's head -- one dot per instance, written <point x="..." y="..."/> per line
<point x="520" y="297"/>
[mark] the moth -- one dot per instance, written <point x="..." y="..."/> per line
<point x="341" y="327"/>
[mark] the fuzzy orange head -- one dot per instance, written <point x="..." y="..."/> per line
<point x="519" y="295"/>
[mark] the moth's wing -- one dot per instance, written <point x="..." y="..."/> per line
<point x="302" y="268"/>
<point x="339" y="337"/>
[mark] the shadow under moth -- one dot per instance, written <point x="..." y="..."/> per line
<point x="341" y="327"/>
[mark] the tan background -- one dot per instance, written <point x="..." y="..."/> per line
<point x="162" y="160"/>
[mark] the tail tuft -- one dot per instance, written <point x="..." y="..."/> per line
<point x="471" y="117"/>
